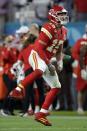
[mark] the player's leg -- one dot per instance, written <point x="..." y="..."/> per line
<point x="38" y="66"/>
<point x="36" y="98"/>
<point x="55" y="85"/>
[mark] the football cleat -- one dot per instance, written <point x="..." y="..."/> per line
<point x="41" y="117"/>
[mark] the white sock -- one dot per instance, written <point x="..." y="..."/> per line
<point x="37" y="109"/>
<point x="30" y="107"/>
<point x="43" y="110"/>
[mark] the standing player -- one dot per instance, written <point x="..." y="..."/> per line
<point x="48" y="45"/>
<point x="79" y="53"/>
<point x="22" y="68"/>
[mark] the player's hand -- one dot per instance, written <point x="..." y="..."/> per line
<point x="51" y="69"/>
<point x="84" y="74"/>
<point x="75" y="64"/>
<point x="60" y="65"/>
<point x="13" y="71"/>
<point x="17" y="92"/>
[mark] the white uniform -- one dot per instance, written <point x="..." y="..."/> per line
<point x="37" y="63"/>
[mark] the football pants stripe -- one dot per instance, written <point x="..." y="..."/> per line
<point x="35" y="60"/>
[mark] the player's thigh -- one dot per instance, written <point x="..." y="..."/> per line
<point x="52" y="80"/>
<point x="36" y="62"/>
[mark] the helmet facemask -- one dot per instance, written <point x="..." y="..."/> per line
<point x="62" y="18"/>
<point x="59" y="16"/>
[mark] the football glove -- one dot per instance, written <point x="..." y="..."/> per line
<point x="75" y="63"/>
<point x="84" y="74"/>
<point x="51" y="69"/>
<point x="60" y="65"/>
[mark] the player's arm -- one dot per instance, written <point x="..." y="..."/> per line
<point x="15" y="66"/>
<point x="59" y="57"/>
<point x="20" y="56"/>
<point x="83" y="51"/>
<point x="45" y="35"/>
<point x="59" y="54"/>
<point x="75" y="50"/>
<point x="41" y="52"/>
<point x="44" y="40"/>
<point x="75" y="54"/>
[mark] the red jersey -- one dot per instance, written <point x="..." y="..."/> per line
<point x="8" y="57"/>
<point x="76" y="49"/>
<point x="4" y="53"/>
<point x="80" y="83"/>
<point x="23" y="56"/>
<point x="49" y="40"/>
<point x="13" y="55"/>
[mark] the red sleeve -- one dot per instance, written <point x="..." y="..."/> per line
<point x="75" y="50"/>
<point x="41" y="51"/>
<point x="64" y="33"/>
<point x="44" y="39"/>
<point x="46" y="34"/>
<point x="44" y="56"/>
<point x="20" y="56"/>
<point x="13" y="55"/>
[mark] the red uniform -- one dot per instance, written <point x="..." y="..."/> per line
<point x="9" y="56"/>
<point x="13" y="55"/>
<point x="4" y="54"/>
<point x="46" y="47"/>
<point x="23" y="56"/>
<point x="3" y="58"/>
<point x="51" y="38"/>
<point x="80" y="84"/>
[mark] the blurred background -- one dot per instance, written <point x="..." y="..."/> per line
<point x="14" y="13"/>
<point x="23" y="13"/>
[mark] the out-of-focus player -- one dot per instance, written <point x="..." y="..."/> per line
<point x="22" y="68"/>
<point x="79" y="53"/>
<point x="48" y="45"/>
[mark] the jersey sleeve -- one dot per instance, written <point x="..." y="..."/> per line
<point x="46" y="33"/>
<point x="75" y="50"/>
<point x="20" y="56"/>
<point x="65" y="33"/>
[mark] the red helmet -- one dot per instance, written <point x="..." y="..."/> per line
<point x="57" y="14"/>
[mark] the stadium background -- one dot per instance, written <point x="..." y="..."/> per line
<point x="77" y="27"/>
<point x="13" y="14"/>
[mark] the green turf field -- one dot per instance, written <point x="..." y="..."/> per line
<point x="61" y="121"/>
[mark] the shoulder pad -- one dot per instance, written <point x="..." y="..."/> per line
<point x="49" y="26"/>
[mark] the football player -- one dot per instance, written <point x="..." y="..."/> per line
<point x="79" y="53"/>
<point x="22" y="68"/>
<point x="49" y="44"/>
